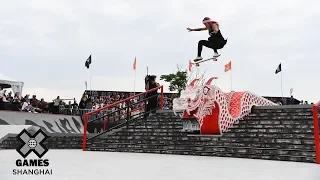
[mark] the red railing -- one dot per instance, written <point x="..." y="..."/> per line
<point x="86" y="116"/>
<point x="105" y="121"/>
<point x="315" y="110"/>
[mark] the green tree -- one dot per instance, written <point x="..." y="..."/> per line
<point x="178" y="81"/>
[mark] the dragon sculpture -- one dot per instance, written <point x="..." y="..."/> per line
<point x="214" y="110"/>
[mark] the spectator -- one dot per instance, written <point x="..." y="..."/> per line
<point x="88" y="103"/>
<point x="4" y="96"/>
<point x="25" y="105"/>
<point x="56" y="104"/>
<point x="2" y="105"/>
<point x="291" y="101"/>
<point x="44" y="106"/>
<point x="75" y="104"/>
<point x="9" y="97"/>
<point x="34" y="101"/>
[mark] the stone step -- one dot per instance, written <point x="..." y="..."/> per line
<point x="271" y="131"/>
<point x="153" y="130"/>
<point x="285" y="110"/>
<point x="175" y="137"/>
<point x="267" y="140"/>
<point x="234" y="132"/>
<point x="151" y="133"/>
<point x="284" y="122"/>
<point x="273" y="126"/>
<point x="53" y="142"/>
<point x="272" y="115"/>
<point x="140" y="126"/>
<point x="159" y="123"/>
<point x="172" y="116"/>
<point x="155" y="127"/>
<point x="264" y="134"/>
<point x="298" y="118"/>
<point x="212" y="143"/>
<point x="226" y="149"/>
<point x="169" y="116"/>
<point x="240" y="153"/>
<point x="163" y="120"/>
<point x="270" y="135"/>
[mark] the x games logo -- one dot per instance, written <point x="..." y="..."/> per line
<point x="32" y="143"/>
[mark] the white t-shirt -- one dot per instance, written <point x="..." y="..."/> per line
<point x="56" y="102"/>
<point x="24" y="106"/>
<point x="4" y="99"/>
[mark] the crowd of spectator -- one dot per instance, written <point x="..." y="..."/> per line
<point x="28" y="103"/>
<point x="92" y="100"/>
<point x="97" y="99"/>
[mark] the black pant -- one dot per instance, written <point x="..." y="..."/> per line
<point x="151" y="106"/>
<point x="213" y="43"/>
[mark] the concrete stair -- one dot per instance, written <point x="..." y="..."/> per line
<point x="55" y="141"/>
<point x="278" y="133"/>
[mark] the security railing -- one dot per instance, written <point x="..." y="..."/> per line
<point x="122" y="112"/>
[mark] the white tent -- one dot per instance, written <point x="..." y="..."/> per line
<point x="14" y="85"/>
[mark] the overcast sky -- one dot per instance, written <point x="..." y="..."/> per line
<point x="45" y="44"/>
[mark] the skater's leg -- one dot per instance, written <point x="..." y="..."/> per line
<point x="200" y="44"/>
<point x="215" y="45"/>
<point x="203" y="43"/>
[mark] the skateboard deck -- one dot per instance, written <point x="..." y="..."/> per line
<point x="204" y="60"/>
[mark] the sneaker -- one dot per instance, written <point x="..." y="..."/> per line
<point x="216" y="55"/>
<point x="198" y="58"/>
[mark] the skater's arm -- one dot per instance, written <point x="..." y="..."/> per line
<point x="197" y="29"/>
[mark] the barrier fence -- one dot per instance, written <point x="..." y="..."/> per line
<point x="74" y="111"/>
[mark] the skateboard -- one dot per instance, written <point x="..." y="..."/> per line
<point x="204" y="60"/>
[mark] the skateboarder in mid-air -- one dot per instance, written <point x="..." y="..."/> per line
<point x="215" y="41"/>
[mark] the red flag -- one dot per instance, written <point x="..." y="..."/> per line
<point x="135" y="63"/>
<point x="227" y="67"/>
<point x="190" y="65"/>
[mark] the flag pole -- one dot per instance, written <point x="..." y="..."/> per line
<point x="231" y="78"/>
<point x="281" y="85"/>
<point x="90" y="75"/>
<point x="147" y="70"/>
<point x="89" y="82"/>
<point x="134" y="86"/>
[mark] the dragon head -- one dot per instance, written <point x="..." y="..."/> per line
<point x="191" y="98"/>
